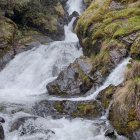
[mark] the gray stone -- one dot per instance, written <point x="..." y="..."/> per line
<point x="136" y="135"/>
<point x="72" y="81"/>
<point x="2" y="120"/>
<point x="110" y="133"/>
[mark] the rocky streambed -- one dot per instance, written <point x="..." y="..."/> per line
<point x="52" y="91"/>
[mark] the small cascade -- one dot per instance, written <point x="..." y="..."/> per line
<point x="23" y="83"/>
<point x="115" y="78"/>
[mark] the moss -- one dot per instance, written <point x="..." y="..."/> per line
<point x="102" y="62"/>
<point x="106" y="24"/>
<point x="134" y="125"/>
<point x="135" y="49"/>
<point x="85" y="79"/>
<point x="91" y="109"/>
<point x="124" y="113"/>
<point x="106" y="96"/>
<point x="59" y="107"/>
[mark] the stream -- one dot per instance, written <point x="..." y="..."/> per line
<point x="23" y="83"/>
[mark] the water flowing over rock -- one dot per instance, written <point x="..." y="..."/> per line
<point x="83" y="91"/>
<point x="68" y="109"/>
<point x="73" y="81"/>
<point x="2" y="120"/>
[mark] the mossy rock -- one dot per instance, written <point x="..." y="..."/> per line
<point x="124" y="112"/>
<point x="75" y="80"/>
<point x="135" y="49"/>
<point x="88" y="110"/>
<point x="106" y="24"/>
<point x="106" y="96"/>
<point x="47" y="17"/>
<point x="7" y="34"/>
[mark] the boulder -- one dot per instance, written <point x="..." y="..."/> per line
<point x="106" y="96"/>
<point x="74" y="14"/>
<point x="72" y="81"/>
<point x="110" y="133"/>
<point x="68" y="109"/>
<point x="2" y="120"/>
<point x="45" y="16"/>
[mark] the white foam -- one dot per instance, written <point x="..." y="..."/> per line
<point x="30" y="71"/>
<point x="115" y="78"/>
<point x="75" y="5"/>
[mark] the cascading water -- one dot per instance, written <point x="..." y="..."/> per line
<point x="24" y="79"/>
<point x="115" y="78"/>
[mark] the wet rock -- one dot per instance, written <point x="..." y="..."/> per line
<point x="136" y="135"/>
<point x="110" y="133"/>
<point x="72" y="81"/>
<point x="2" y="120"/>
<point x="48" y="17"/>
<point x="2" y="137"/>
<point x="20" y="122"/>
<point x="106" y="96"/>
<point x="130" y="38"/>
<point x="117" y="55"/>
<point x="74" y="14"/>
<point x="7" y="32"/>
<point x="27" y="126"/>
<point x="68" y="109"/>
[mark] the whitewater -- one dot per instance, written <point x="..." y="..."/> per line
<point x="23" y="82"/>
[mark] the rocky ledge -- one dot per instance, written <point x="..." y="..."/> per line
<point x="26" y="21"/>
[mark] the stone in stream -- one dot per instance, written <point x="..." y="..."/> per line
<point x="68" y="109"/>
<point x="2" y="120"/>
<point x="110" y="133"/>
<point x="1" y="133"/>
<point x="74" y="14"/>
<point x="74" y="80"/>
<point x="27" y="126"/>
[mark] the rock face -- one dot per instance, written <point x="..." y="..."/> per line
<point x="74" y="80"/>
<point x="45" y="15"/>
<point x="26" y="21"/>
<point x="110" y="133"/>
<point x="68" y="109"/>
<point x="103" y="29"/>
<point x="106" y="96"/>
<point x="136" y="135"/>
<point x="27" y="126"/>
<point x="124" y="113"/>
<point x="2" y="120"/>
<point x="107" y="37"/>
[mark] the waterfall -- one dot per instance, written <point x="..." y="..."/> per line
<point x="23" y="81"/>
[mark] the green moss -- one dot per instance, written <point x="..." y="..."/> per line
<point x="106" y="96"/>
<point x="133" y="125"/>
<point x="86" y="80"/>
<point x="129" y="66"/>
<point x="88" y="110"/>
<point x="135" y="48"/>
<point x="100" y="24"/>
<point x="59" y="107"/>
<point x="58" y="91"/>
